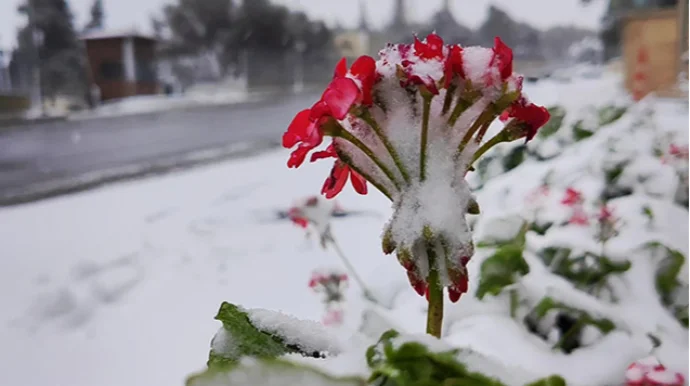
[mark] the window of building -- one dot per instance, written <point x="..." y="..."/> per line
<point x="146" y="71"/>
<point x="112" y="70"/>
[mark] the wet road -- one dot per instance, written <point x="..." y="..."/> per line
<point x="32" y="156"/>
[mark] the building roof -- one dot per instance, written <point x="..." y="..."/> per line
<point x="115" y="34"/>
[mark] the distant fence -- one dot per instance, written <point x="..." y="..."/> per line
<point x="14" y="104"/>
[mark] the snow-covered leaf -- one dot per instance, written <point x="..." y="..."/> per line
<point x="501" y="270"/>
<point x="399" y="361"/>
<point x="554" y="123"/>
<point x="265" y="334"/>
<point x="270" y="372"/>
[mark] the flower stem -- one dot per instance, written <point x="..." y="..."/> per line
<point x="498" y="138"/>
<point x="344" y="134"/>
<point x="448" y="100"/>
<point x="425" y="137"/>
<point x="368" y="118"/>
<point x="434" y="316"/>
<point x="349" y="267"/>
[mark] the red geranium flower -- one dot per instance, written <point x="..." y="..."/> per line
<point x="403" y="136"/>
<point x="572" y="197"/>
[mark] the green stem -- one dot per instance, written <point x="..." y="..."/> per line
<point x="448" y="100"/>
<point x="368" y="294"/>
<point x="368" y="118"/>
<point x="346" y="135"/>
<point x="513" y="303"/>
<point x="572" y="331"/>
<point x="498" y="138"/>
<point x="459" y="108"/>
<point x="434" y="316"/>
<point x="482" y="119"/>
<point x="424" y="140"/>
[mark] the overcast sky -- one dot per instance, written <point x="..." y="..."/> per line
<point x="540" y="13"/>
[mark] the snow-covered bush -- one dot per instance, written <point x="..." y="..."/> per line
<point x="562" y="130"/>
<point x="576" y="267"/>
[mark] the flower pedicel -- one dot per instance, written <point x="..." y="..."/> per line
<point x="412" y="124"/>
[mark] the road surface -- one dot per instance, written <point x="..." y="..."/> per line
<point x="59" y="157"/>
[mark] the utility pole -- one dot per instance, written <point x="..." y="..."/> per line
<point x="36" y="41"/>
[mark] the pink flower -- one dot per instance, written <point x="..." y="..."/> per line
<point x="578" y="217"/>
<point x="649" y="372"/>
<point x="680" y="152"/>
<point x="572" y="197"/>
<point x="333" y="318"/>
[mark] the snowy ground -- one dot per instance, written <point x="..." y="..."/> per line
<point x="119" y="286"/>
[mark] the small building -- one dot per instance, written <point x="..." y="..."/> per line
<point x="121" y="64"/>
<point x="660" y="35"/>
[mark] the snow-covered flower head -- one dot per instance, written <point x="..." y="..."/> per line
<point x="649" y="372"/>
<point x="412" y="124"/>
<point x="314" y="210"/>
<point x="331" y="282"/>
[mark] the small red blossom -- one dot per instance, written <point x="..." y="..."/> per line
<point x="336" y="180"/>
<point x="454" y="65"/>
<point x="578" y="217"/>
<point x="572" y="197"/>
<point x="296" y="216"/>
<point x="649" y="372"/>
<point x="529" y="116"/>
<point x="680" y="152"/>
<point x="605" y="214"/>
<point x="431" y="48"/>
<point x="503" y="58"/>
<point x="304" y="132"/>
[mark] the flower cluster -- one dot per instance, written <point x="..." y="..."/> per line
<point x="649" y="372"/>
<point x="332" y="284"/>
<point x="411" y="124"/>
<point x="607" y="224"/>
<point x="573" y="198"/>
<point x="314" y="210"/>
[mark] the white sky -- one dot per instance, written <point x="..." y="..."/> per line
<point x="539" y="13"/>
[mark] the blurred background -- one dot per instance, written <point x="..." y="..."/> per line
<point x="139" y="176"/>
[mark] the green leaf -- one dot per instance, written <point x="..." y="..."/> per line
<point x="270" y="372"/>
<point x="553" y="380"/>
<point x="548" y="304"/>
<point x="500" y="270"/>
<point x="579" y="132"/>
<point x="241" y="338"/>
<point x="540" y="229"/>
<point x="554" y="123"/>
<point x="610" y="114"/>
<point x="667" y="274"/>
<point x="413" y="364"/>
<point x="514" y="158"/>
<point x="244" y="338"/>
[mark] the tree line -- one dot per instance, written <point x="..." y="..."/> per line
<point x="222" y="29"/>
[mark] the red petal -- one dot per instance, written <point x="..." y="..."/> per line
<point x="336" y="181"/>
<point x="358" y="182"/>
<point x="431" y="49"/>
<point x="319" y="110"/>
<point x="298" y="129"/>
<point x="364" y="69"/>
<point x="328" y="153"/>
<point x="453" y="295"/>
<point x="298" y="155"/>
<point x="340" y="68"/>
<point x="454" y="64"/>
<point x="504" y="57"/>
<point x="340" y="96"/>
